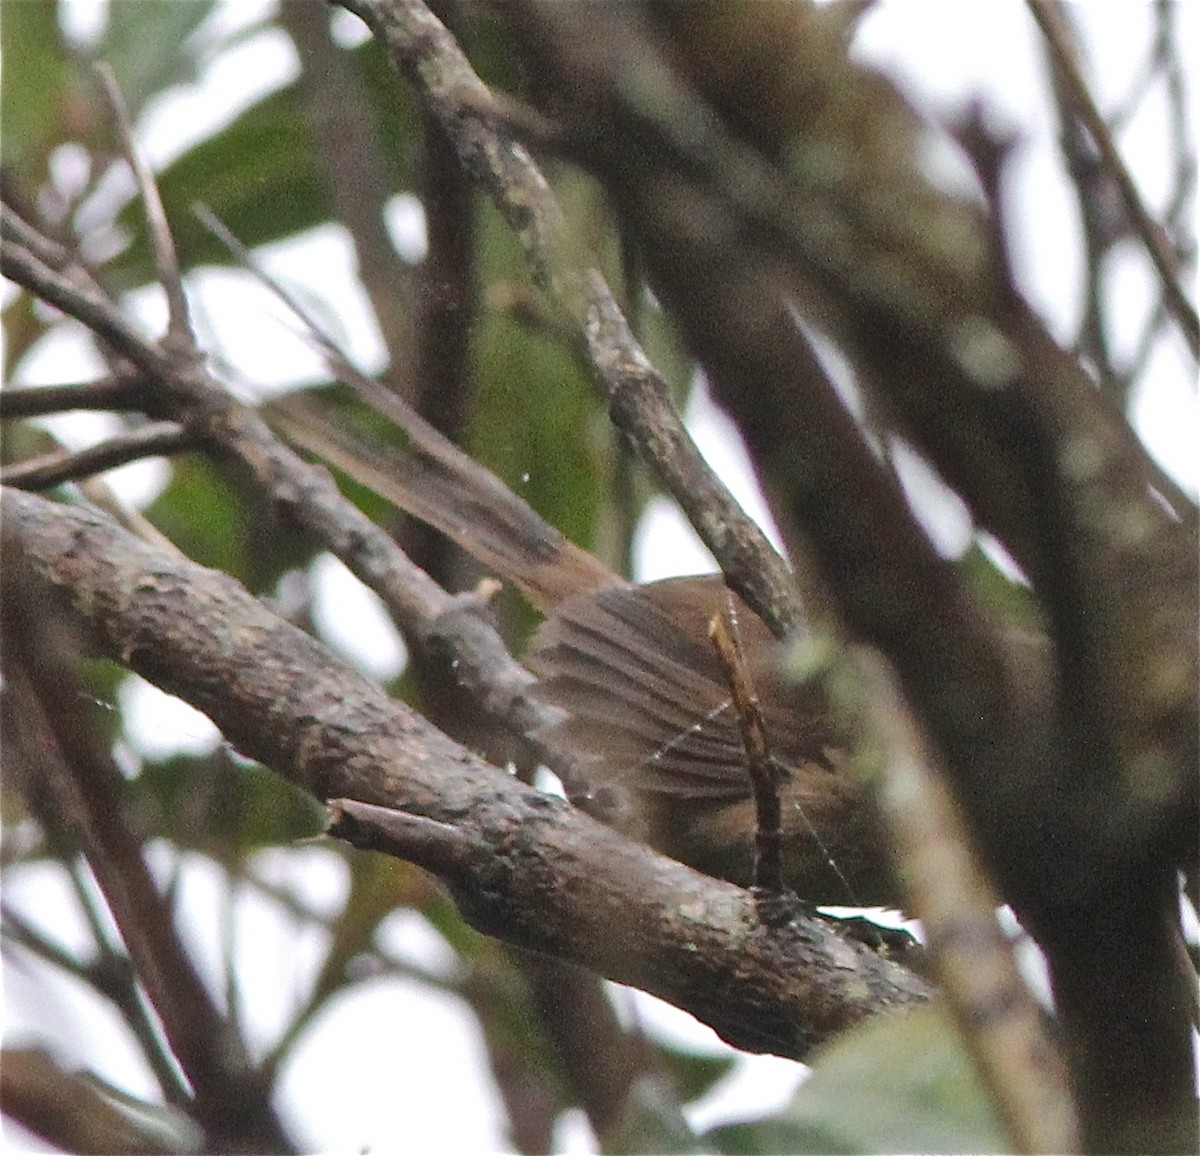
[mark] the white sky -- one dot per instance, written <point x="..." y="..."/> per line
<point x="392" y="1063"/>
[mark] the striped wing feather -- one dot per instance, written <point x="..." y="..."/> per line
<point x="649" y="708"/>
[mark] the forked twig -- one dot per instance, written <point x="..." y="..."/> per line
<point x="1050" y="19"/>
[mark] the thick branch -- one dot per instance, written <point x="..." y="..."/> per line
<point x="528" y="868"/>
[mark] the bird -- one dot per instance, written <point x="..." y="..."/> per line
<point x="649" y="742"/>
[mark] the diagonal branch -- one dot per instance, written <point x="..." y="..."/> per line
<point x="180" y="338"/>
<point x="422" y="48"/>
<point x="523" y="866"/>
<point x="86" y="303"/>
<point x="1058" y="37"/>
<point x="50" y="470"/>
<point x="77" y="785"/>
<point x="421" y="607"/>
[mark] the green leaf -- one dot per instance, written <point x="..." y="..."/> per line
<point x="897" y="1083"/>
<point x="651" y="1121"/>
<point x="537" y="423"/>
<point x="1008" y="599"/>
<point x="534" y="427"/>
<point x="38" y="84"/>
<point x="202" y="512"/>
<point x="694" y="1075"/>
<point x="770" y="1137"/>
<point x="149" y="46"/>
<point x="262" y="174"/>
<point x="259" y="175"/>
<point x="221" y="524"/>
<point x="222" y="806"/>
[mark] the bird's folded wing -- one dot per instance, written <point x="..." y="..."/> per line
<point x="648" y="702"/>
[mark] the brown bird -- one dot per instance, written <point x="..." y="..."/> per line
<point x="651" y="740"/>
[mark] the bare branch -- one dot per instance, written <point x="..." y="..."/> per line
<point x="83" y="302"/>
<point x="424" y="50"/>
<point x="75" y="1112"/>
<point x="52" y="470"/>
<point x="528" y="868"/>
<point x="119" y="392"/>
<point x="180" y="341"/>
<point x="110" y="975"/>
<point x="1058" y="37"/>
<point x="14" y="227"/>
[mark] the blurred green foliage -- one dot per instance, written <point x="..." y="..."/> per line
<point x="895" y="1083"/>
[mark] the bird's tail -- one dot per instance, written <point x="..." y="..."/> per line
<point x="432" y="479"/>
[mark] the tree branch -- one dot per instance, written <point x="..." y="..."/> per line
<point x="79" y="787"/>
<point x="119" y="392"/>
<point x="76" y="1113"/>
<point x="52" y="470"/>
<point x="529" y="868"/>
<point x="424" y="51"/>
<point x="1058" y="37"/>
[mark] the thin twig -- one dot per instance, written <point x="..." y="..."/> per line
<point x="336" y="360"/>
<point x="15" y="228"/>
<point x="1050" y="19"/>
<point x="424" y="50"/>
<point x="50" y="470"/>
<point x="15" y="929"/>
<point x="330" y="982"/>
<point x="115" y="977"/>
<point x="180" y="339"/>
<point x="86" y="303"/>
<point x="355" y="170"/>
<point x="114" y="393"/>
